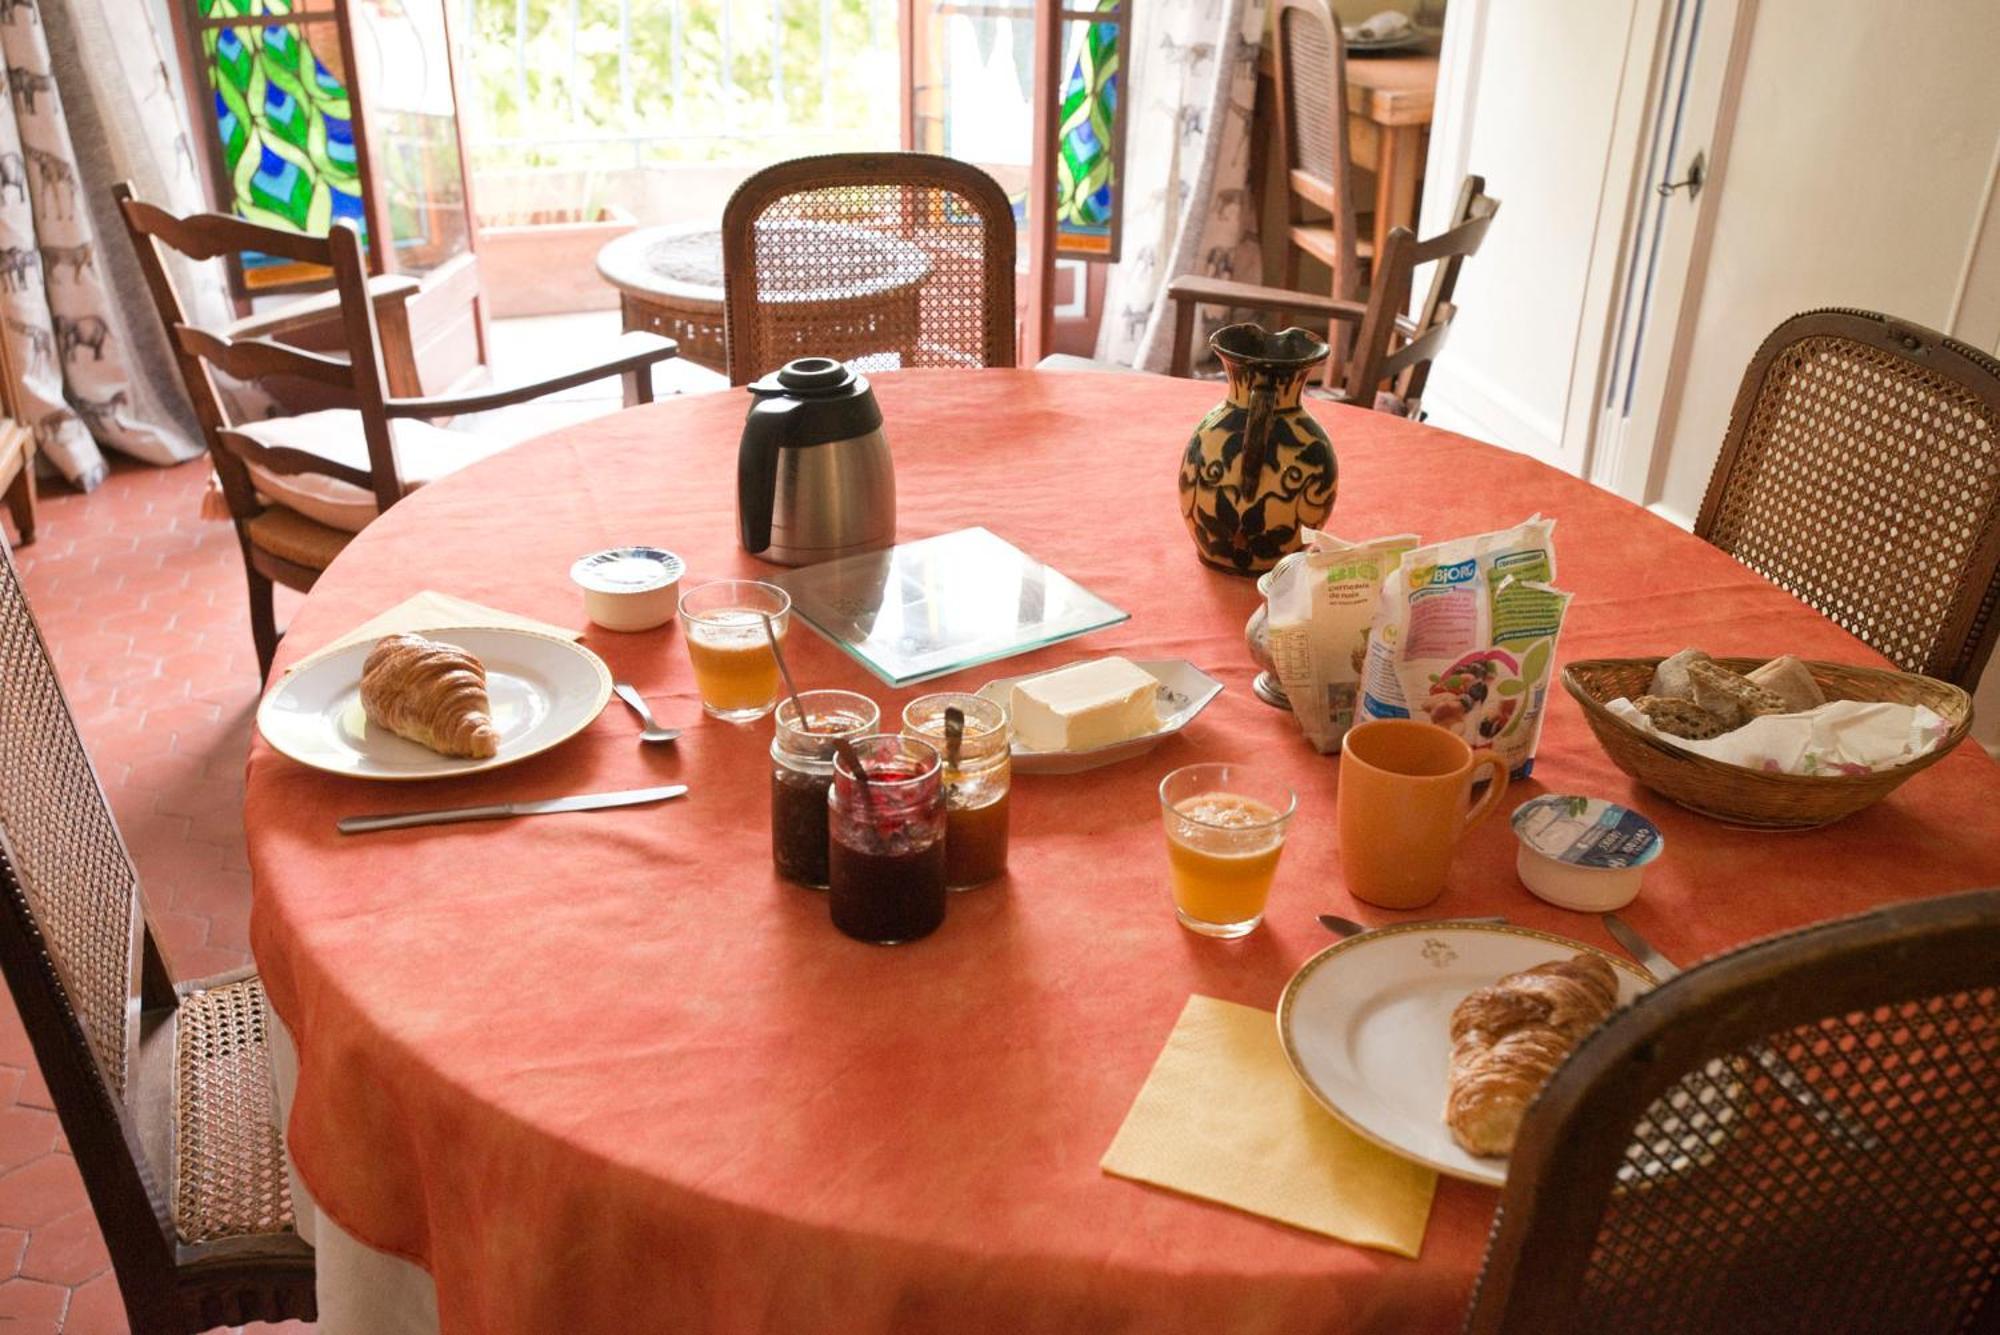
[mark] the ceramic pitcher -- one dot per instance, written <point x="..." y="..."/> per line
<point x="1259" y="468"/>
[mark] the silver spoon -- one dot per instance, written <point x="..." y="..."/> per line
<point x="652" y="732"/>
<point x="1346" y="927"/>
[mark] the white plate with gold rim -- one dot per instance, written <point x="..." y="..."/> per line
<point x="544" y="690"/>
<point x="1184" y="691"/>
<point x="1366" y="1026"/>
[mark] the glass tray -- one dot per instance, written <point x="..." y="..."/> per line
<point x="925" y="609"/>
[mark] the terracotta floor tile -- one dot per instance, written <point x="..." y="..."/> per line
<point x="41" y="1192"/>
<point x="68" y="1251"/>
<point x="13" y="1242"/>
<point x="28" y="1307"/>
<point x="97" y="1309"/>
<point x="25" y="1134"/>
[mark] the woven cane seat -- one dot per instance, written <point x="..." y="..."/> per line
<point x="229" y="1156"/>
<point x="290" y="536"/>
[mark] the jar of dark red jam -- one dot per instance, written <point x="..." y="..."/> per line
<point x="886" y="851"/>
<point x="802" y="773"/>
<point x="976" y="788"/>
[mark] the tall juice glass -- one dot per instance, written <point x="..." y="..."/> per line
<point x="1225" y="831"/>
<point x="733" y="667"/>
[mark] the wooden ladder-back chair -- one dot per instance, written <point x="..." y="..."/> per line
<point x="164" y="1091"/>
<point x="1390" y="348"/>
<point x="1309" y="58"/>
<point x="1862" y="472"/>
<point x="1800" y="1136"/>
<point x="299" y="488"/>
<point x="880" y="260"/>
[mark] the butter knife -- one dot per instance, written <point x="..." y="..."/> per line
<point x="1838" y="1121"/>
<point x="631" y="797"/>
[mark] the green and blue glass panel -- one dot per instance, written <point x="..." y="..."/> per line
<point x="283" y="121"/>
<point x="1086" y="166"/>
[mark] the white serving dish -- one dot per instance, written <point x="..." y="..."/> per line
<point x="1184" y="692"/>
<point x="629" y="588"/>
<point x="544" y="690"/>
<point x="1366" y="1026"/>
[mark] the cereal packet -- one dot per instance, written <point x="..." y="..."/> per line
<point x="1465" y="636"/>
<point x="1320" y="603"/>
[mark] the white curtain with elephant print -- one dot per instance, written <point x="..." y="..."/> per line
<point x="87" y="369"/>
<point x="1187" y="197"/>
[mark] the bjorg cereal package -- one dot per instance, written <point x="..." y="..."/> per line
<point x="1465" y="637"/>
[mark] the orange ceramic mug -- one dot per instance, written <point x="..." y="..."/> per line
<point x="1404" y="800"/>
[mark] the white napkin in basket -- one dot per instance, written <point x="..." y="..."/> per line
<point x="1839" y="737"/>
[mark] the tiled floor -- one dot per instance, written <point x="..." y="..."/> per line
<point x="143" y="604"/>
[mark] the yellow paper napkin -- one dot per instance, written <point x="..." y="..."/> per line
<point x="431" y="610"/>
<point x="1222" y="1117"/>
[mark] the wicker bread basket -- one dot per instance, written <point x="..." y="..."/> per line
<point x="1751" y="797"/>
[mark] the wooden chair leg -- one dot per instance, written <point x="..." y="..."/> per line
<point x="1182" y="363"/>
<point x="263" y="620"/>
<point x="21" y="502"/>
<point x="638" y="386"/>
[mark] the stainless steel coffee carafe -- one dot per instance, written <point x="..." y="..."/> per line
<point x="813" y="475"/>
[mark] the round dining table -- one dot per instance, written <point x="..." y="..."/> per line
<point x="606" y="1071"/>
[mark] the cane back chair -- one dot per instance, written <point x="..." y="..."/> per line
<point x="1800" y="1136"/>
<point x="299" y="488"/>
<point x="1390" y="362"/>
<point x="1309" y="59"/>
<point x="163" y="1090"/>
<point x="880" y="260"/>
<point x="1862" y="472"/>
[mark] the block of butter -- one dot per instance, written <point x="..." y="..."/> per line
<point x="1085" y="705"/>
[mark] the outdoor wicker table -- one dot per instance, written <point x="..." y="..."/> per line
<point x="606" y="1071"/>
<point x="670" y="281"/>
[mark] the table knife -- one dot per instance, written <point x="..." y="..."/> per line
<point x="1835" y="1120"/>
<point x="631" y="797"/>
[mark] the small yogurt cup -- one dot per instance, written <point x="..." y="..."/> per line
<point x="1584" y="853"/>
<point x="629" y="588"/>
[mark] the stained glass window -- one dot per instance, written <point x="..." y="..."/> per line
<point x="972" y="85"/>
<point x="283" y="121"/>
<point x="1087" y="157"/>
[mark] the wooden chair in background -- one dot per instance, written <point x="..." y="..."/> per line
<point x="880" y="260"/>
<point x="1803" y="1135"/>
<point x="164" y="1090"/>
<point x="1390" y="349"/>
<point x="1862" y="472"/>
<point x="1309" y="57"/>
<point x="299" y="488"/>
<point x="17" y="477"/>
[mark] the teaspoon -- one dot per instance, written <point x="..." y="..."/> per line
<point x="652" y="732"/>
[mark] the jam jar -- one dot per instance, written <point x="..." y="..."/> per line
<point x="976" y="788"/>
<point x="885" y="859"/>
<point x="801" y="774"/>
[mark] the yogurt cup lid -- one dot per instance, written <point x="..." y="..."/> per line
<point x="628" y="570"/>
<point x="1587" y="832"/>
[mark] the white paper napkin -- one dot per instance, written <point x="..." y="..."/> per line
<point x="1839" y="737"/>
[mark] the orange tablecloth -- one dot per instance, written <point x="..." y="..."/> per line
<point x="604" y="1072"/>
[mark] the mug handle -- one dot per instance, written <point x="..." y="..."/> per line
<point x="1495" y="790"/>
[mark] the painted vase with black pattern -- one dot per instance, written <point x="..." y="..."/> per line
<point x="1258" y="470"/>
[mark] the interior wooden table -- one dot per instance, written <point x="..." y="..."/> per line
<point x="1390" y="102"/>
<point x="597" y="1068"/>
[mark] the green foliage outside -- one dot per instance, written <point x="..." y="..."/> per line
<point x="841" y="92"/>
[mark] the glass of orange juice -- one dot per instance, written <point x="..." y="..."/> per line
<point x="733" y="667"/>
<point x="1225" y="830"/>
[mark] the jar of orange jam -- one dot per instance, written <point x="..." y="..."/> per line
<point x="976" y="787"/>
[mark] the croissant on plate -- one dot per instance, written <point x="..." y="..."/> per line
<point x="1508" y="1039"/>
<point x="432" y="693"/>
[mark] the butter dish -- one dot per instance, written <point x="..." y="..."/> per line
<point x="1184" y="690"/>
